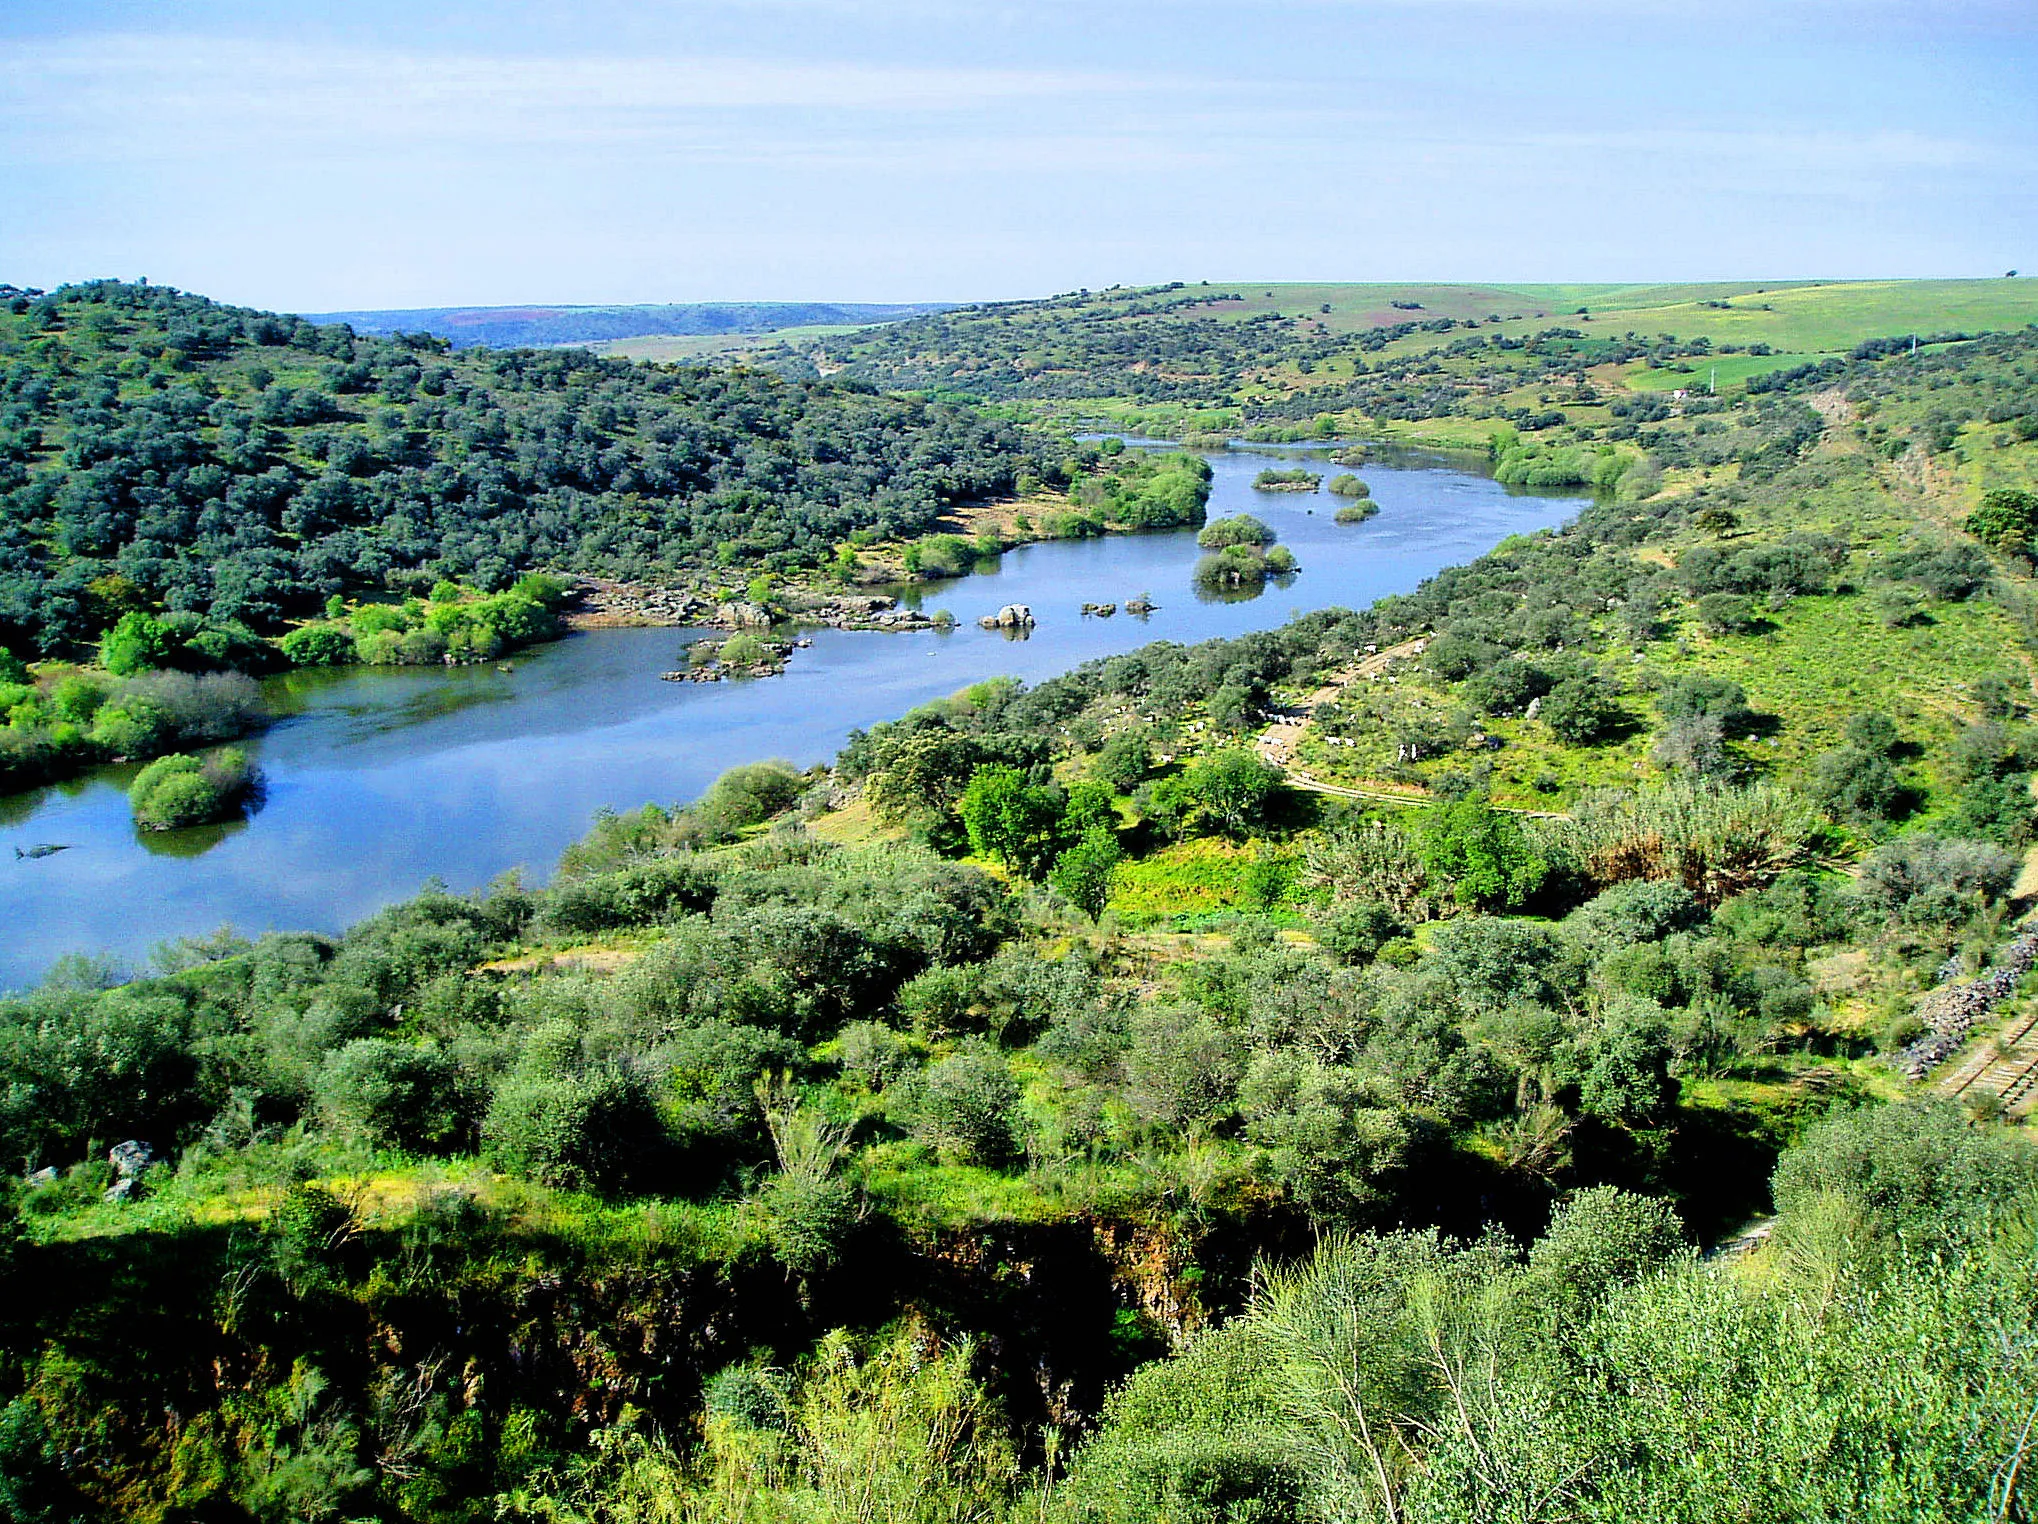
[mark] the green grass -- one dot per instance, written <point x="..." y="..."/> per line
<point x="1829" y="658"/>
<point x="1728" y="371"/>
<point x="1804" y="317"/>
<point x="1188" y="878"/>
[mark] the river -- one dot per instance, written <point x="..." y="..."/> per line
<point x="381" y="778"/>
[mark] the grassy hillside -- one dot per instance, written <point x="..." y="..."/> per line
<point x="1241" y="356"/>
<point x="1070" y="1106"/>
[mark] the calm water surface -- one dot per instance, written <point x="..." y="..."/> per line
<point x="381" y="778"/>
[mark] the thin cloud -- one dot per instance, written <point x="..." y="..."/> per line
<point x="162" y="95"/>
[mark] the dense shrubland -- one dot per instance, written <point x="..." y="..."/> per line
<point x="160" y="451"/>
<point x="1047" y="1112"/>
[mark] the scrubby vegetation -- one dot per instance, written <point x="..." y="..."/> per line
<point x="160" y="451"/>
<point x="1076" y="1104"/>
<point x="181" y="790"/>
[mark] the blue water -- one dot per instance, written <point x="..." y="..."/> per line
<point x="380" y="779"/>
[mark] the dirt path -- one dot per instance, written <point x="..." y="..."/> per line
<point x="1280" y="742"/>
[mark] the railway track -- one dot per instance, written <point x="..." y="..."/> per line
<point x="2005" y="1067"/>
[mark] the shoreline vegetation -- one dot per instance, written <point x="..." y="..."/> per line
<point x="1551" y="1043"/>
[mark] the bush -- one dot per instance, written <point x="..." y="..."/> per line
<point x="401" y="1095"/>
<point x="1349" y="485"/>
<point x="743" y="649"/>
<point x="1356" y="513"/>
<point x="562" y="1120"/>
<point x="1695" y="744"/>
<point x="1082" y="874"/>
<point x="806" y="1220"/>
<point x="1580" y="712"/>
<point x="1355" y="931"/>
<point x="1852" y="783"/>
<point x="1181" y="1069"/>
<point x="1919" y="1168"/>
<point x="1726" y="613"/>
<point x="1125" y="759"/>
<point x="1627" y="1079"/>
<point x="320" y="645"/>
<point x="1016" y="822"/>
<point x="1295" y="480"/>
<point x="1322" y="1136"/>
<point x="1234" y="788"/>
<point x="136" y="643"/>
<point x="1699" y="694"/>
<point x="1647" y="910"/>
<point x="641" y="895"/>
<point x="747" y="796"/>
<point x="1598" y="1240"/>
<point x="1926" y="880"/>
<point x="967" y="1106"/>
<point x="1239" y="529"/>
<point x="1481" y="853"/>
<point x="1508" y="686"/>
<point x="183" y="790"/>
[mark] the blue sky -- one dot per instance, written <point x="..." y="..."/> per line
<point x="375" y="154"/>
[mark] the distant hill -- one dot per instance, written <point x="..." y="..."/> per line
<point x="159" y="450"/>
<point x="512" y="327"/>
<point x="1331" y="347"/>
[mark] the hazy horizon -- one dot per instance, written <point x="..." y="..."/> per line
<point x="845" y="151"/>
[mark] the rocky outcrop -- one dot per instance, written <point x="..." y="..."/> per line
<point x="602" y="605"/>
<point x="129" y="1160"/>
<point x="1013" y="616"/>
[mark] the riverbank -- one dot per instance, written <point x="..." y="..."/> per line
<point x="383" y="777"/>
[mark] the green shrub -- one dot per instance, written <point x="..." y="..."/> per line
<point x="1920" y="1168"/>
<point x="319" y="645"/>
<point x="1927" y="880"/>
<point x="1239" y="529"/>
<point x="562" y="1119"/>
<point x="967" y="1107"/>
<point x="743" y="649"/>
<point x="1082" y="873"/>
<point x="1726" y="613"/>
<point x="1235" y="789"/>
<point x="396" y="1094"/>
<point x="181" y="790"/>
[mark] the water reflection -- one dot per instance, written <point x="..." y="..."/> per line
<point x="192" y="841"/>
<point x="379" y="778"/>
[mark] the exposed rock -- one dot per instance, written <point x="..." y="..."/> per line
<point x="601" y="604"/>
<point x="47" y="1175"/>
<point x="1013" y="616"/>
<point x="130" y="1158"/>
